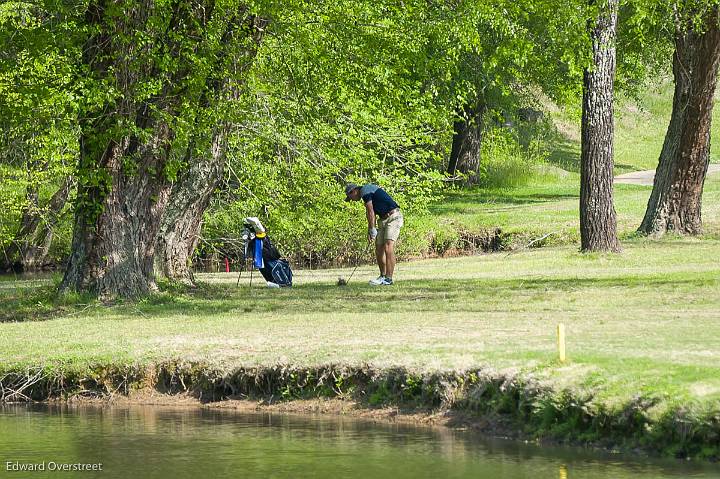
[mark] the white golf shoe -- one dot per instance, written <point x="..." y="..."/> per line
<point x="377" y="281"/>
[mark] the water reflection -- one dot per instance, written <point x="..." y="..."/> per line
<point x="159" y="442"/>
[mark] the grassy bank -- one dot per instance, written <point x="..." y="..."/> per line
<point x="643" y="331"/>
<point x="544" y="208"/>
<point x="640" y="127"/>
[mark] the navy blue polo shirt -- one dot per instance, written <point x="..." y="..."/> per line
<point x="381" y="201"/>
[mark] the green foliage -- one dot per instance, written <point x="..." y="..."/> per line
<point x="380" y="395"/>
<point x="366" y="92"/>
<point x="644" y="45"/>
<point x="38" y="110"/>
<point x="334" y="99"/>
<point x="506" y="163"/>
<point x="155" y="107"/>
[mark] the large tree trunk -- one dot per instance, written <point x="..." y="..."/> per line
<point x="130" y="140"/>
<point x="598" y="223"/>
<point x="180" y="229"/>
<point x="112" y="249"/>
<point x="467" y="141"/>
<point x="122" y="189"/>
<point x="675" y="201"/>
<point x="31" y="245"/>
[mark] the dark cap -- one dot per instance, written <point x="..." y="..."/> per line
<point x="348" y="188"/>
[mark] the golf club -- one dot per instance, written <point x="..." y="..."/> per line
<point x="342" y="281"/>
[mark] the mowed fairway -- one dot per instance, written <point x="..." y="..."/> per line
<point x="643" y="322"/>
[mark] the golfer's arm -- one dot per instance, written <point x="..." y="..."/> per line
<point x="370" y="213"/>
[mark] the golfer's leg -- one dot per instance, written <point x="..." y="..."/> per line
<point x="380" y="255"/>
<point x="392" y="232"/>
<point x="389" y="248"/>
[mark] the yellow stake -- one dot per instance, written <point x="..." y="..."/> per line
<point x="563" y="472"/>
<point x="561" y="341"/>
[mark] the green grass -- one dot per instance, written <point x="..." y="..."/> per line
<point x="640" y="127"/>
<point x="643" y="322"/>
<point x="540" y="208"/>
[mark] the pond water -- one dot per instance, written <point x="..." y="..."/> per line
<point x="161" y="442"/>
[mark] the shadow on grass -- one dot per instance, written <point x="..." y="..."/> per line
<point x="565" y="154"/>
<point x="36" y="302"/>
<point x="429" y="296"/>
<point x="623" y="168"/>
<point x="461" y="202"/>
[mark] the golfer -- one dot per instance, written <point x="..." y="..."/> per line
<point x="379" y="203"/>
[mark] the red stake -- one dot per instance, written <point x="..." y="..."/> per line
<point x="227" y="265"/>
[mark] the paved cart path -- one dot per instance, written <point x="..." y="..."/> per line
<point x="646" y="177"/>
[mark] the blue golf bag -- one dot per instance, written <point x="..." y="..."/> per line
<point x="266" y="257"/>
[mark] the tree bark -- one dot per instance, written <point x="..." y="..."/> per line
<point x="598" y="223"/>
<point x="128" y="142"/>
<point x="190" y="197"/>
<point x="467" y="141"/>
<point x="31" y="245"/>
<point x="112" y="251"/>
<point x="675" y="201"/>
<point x="180" y="229"/>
